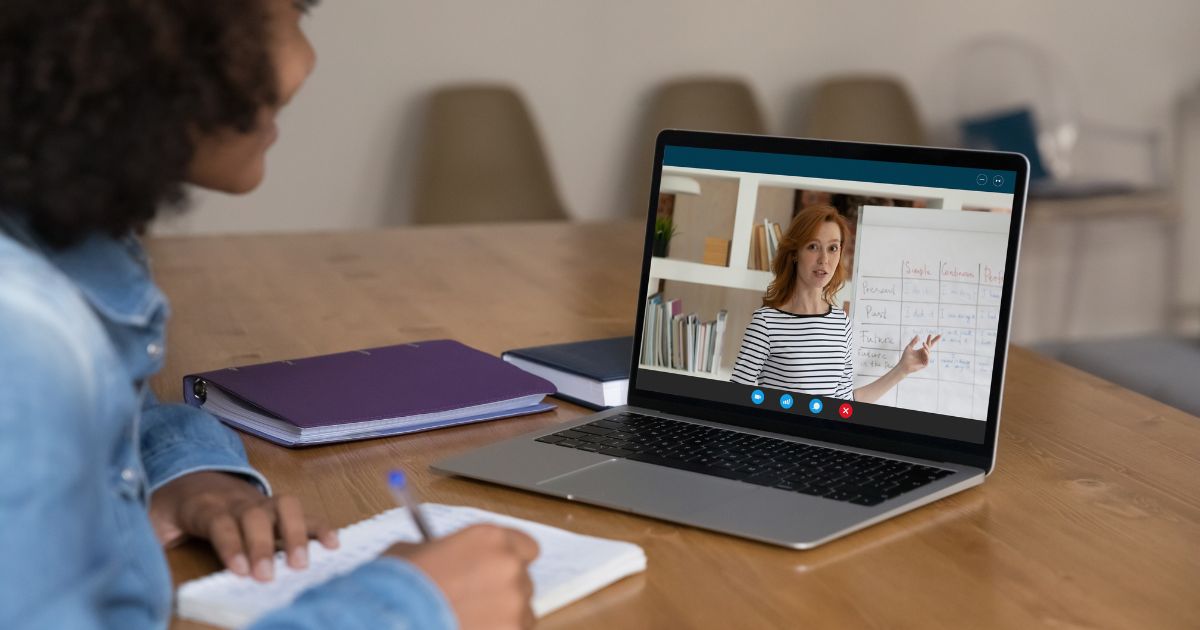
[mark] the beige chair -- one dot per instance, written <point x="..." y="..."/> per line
<point x="697" y="103"/>
<point x="482" y="160"/>
<point x="864" y="109"/>
<point x="706" y="104"/>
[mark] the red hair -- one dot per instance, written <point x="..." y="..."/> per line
<point x="802" y="231"/>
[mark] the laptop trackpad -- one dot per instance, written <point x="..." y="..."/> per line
<point x="645" y="489"/>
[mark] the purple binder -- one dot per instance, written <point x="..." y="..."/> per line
<point x="367" y="393"/>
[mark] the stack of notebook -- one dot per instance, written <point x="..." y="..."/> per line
<point x="569" y="567"/>
<point x="367" y="393"/>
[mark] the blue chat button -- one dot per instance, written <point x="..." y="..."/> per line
<point x="815" y="405"/>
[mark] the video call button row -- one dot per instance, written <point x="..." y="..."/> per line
<point x="815" y="405"/>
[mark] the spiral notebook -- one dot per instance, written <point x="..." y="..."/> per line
<point x="570" y="567"/>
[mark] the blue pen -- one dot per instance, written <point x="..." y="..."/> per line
<point x="399" y="487"/>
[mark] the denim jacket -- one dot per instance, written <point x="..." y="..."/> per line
<point x="84" y="443"/>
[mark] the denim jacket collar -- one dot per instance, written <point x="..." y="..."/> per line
<point x="112" y="273"/>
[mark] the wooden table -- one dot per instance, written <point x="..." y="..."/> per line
<point x="1091" y="520"/>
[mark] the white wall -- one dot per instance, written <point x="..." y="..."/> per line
<point x="587" y="67"/>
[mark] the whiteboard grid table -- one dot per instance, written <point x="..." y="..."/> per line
<point x="923" y="272"/>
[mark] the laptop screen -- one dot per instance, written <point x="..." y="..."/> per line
<point x="856" y="291"/>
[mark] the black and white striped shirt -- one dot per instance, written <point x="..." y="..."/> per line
<point x="811" y="354"/>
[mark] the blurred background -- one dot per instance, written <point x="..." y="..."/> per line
<point x="435" y="112"/>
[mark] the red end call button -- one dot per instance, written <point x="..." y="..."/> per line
<point x="845" y="410"/>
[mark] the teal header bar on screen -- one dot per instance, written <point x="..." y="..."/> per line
<point x="927" y="175"/>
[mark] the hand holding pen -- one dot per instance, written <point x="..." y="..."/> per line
<point x="481" y="570"/>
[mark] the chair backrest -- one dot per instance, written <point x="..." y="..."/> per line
<point x="706" y="104"/>
<point x="864" y="109"/>
<point x="715" y="103"/>
<point x="482" y="160"/>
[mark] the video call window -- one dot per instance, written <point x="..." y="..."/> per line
<point x="862" y="291"/>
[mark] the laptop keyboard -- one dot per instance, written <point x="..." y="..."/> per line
<point x="804" y="468"/>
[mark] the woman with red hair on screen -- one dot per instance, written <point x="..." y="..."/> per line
<point x="801" y="340"/>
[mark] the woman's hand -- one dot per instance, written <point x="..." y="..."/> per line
<point x="915" y="357"/>
<point x="483" y="572"/>
<point x="240" y="521"/>
<point x="916" y="354"/>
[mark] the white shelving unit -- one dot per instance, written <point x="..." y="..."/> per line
<point x="700" y="273"/>
<point x="738" y="275"/>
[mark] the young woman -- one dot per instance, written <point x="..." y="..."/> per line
<point x="107" y="107"/>
<point x="800" y="340"/>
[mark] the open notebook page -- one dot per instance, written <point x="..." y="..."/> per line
<point x="570" y="565"/>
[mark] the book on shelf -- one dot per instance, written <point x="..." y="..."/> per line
<point x="718" y="334"/>
<point x="647" y="349"/>
<point x="716" y="251"/>
<point x="756" y="244"/>
<point x="768" y="236"/>
<point x="772" y="243"/>
<point x="677" y="354"/>
<point x="764" y="244"/>
<point x="685" y="350"/>
<point x="681" y="342"/>
<point x="691" y="343"/>
<point x="674" y="309"/>
<point x="764" y="261"/>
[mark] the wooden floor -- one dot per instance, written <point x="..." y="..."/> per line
<point x="1092" y="518"/>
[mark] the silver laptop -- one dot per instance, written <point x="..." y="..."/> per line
<point x="820" y="345"/>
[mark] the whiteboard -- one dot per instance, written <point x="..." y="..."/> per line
<point x="918" y="272"/>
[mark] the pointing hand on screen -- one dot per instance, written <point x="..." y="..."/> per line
<point x="917" y="354"/>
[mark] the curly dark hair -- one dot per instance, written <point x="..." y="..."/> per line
<point x="99" y="101"/>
